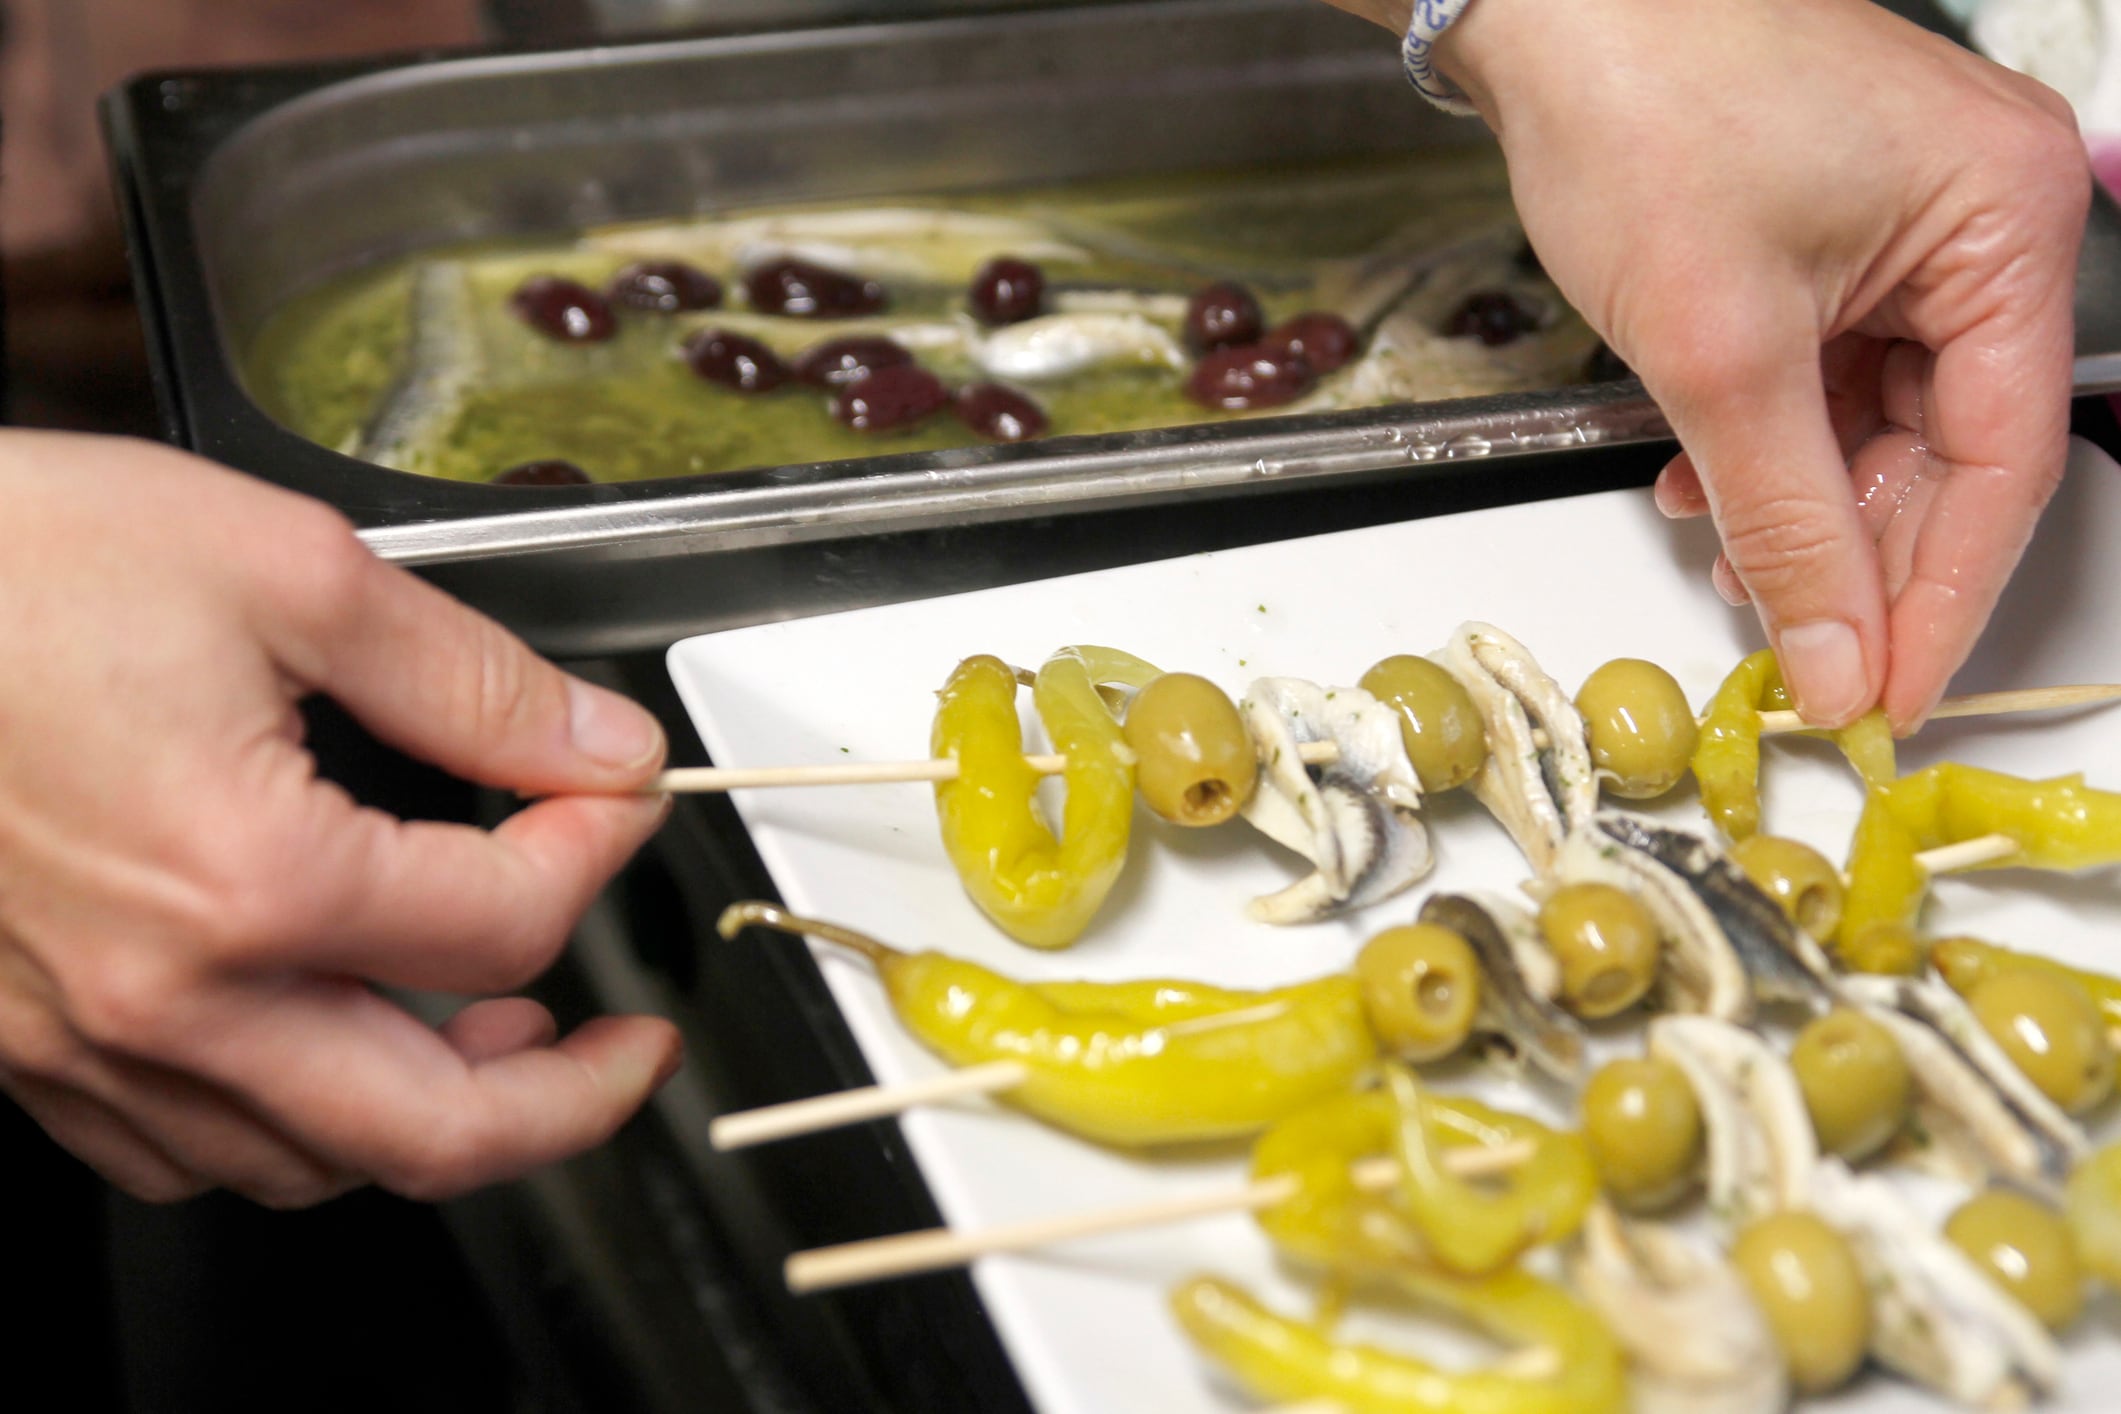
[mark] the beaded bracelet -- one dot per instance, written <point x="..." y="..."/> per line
<point x="1427" y="24"/>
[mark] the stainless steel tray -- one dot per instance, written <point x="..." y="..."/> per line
<point x="246" y="189"/>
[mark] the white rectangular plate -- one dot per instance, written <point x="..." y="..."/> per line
<point x="1579" y="581"/>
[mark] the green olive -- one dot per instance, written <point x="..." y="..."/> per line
<point x="1194" y="759"/>
<point x="1855" y="1081"/>
<point x="1441" y="727"/>
<point x="2050" y="1027"/>
<point x="1420" y="989"/>
<point x="2025" y="1248"/>
<point x="1606" y="943"/>
<point x="1887" y="948"/>
<point x="1643" y="1124"/>
<point x="1640" y="727"/>
<point x="1812" y="1292"/>
<point x="1800" y="878"/>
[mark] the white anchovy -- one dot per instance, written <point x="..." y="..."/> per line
<point x="1519" y="980"/>
<point x="1059" y="345"/>
<point x="1149" y="304"/>
<point x="1696" y="1340"/>
<point x="1539" y="786"/>
<point x="1781" y="960"/>
<point x="790" y="337"/>
<point x="1971" y="1098"/>
<point x="1703" y="969"/>
<point x="932" y="245"/>
<point x="1936" y="1318"/>
<point x="1356" y="820"/>
<point x="444" y="361"/>
<point x="1761" y="1148"/>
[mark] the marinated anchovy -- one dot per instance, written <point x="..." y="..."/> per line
<point x="1761" y="1151"/>
<point x="1781" y="960"/>
<point x="1538" y="779"/>
<point x="1520" y="980"/>
<point x="1703" y="971"/>
<point x="1970" y="1098"/>
<point x="1936" y="1319"/>
<point x="934" y="245"/>
<point x="1696" y="1340"/>
<point x="444" y="362"/>
<point x="1356" y="820"/>
<point x="1058" y="345"/>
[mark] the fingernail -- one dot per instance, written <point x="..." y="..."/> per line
<point x="671" y="1064"/>
<point x="610" y="729"/>
<point x="1822" y="663"/>
<point x="1729" y="587"/>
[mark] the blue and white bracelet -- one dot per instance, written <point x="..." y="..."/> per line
<point x="1430" y="19"/>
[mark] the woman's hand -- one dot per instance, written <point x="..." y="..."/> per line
<point x="190" y="920"/>
<point x="1840" y="251"/>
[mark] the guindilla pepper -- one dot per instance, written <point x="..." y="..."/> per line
<point x="1037" y="889"/>
<point x="1727" y="753"/>
<point x="1430" y="1217"/>
<point x="1124" y="1063"/>
<point x="1966" y="963"/>
<point x="2058" y="824"/>
<point x="1284" y="1360"/>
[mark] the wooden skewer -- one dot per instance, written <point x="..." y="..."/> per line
<point x="878" y="1258"/>
<point x="696" y="780"/>
<point x="1983" y="849"/>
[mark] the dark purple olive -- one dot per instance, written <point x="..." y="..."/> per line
<point x="838" y="362"/>
<point x="735" y="361"/>
<point x="1492" y="316"/>
<point x="1323" y="341"/>
<point x="1605" y="366"/>
<point x="891" y="398"/>
<point x="564" y="309"/>
<point x="1000" y="414"/>
<point x="1222" y="315"/>
<point x="547" y="473"/>
<point x="665" y="287"/>
<point x="1008" y="291"/>
<point x="806" y="291"/>
<point x="1248" y="376"/>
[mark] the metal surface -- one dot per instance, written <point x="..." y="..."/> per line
<point x="246" y="189"/>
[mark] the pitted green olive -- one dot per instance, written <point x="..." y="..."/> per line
<point x="1441" y="727"/>
<point x="1855" y="1080"/>
<point x="1643" y="1124"/>
<point x="1800" y="878"/>
<point x="1812" y="1292"/>
<point x="2025" y="1248"/>
<point x="2049" y="1026"/>
<point x="1607" y="945"/>
<point x="1640" y="727"/>
<point x="1420" y="989"/>
<point x="1195" y="764"/>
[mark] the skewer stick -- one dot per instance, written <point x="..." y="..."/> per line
<point x="906" y="1254"/>
<point x="822" y="1112"/>
<point x="1968" y="854"/>
<point x="697" y="780"/>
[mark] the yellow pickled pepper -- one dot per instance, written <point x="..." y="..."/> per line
<point x="1285" y="1360"/>
<point x="1727" y="753"/>
<point x="1039" y="890"/>
<point x="2059" y="823"/>
<point x="1124" y="1063"/>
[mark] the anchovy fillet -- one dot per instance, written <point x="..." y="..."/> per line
<point x="1936" y="1318"/>
<point x="444" y="361"/>
<point x="1519" y="980"/>
<point x="1761" y="1148"/>
<point x="1538" y="778"/>
<point x="1357" y="820"/>
<point x="1971" y="1096"/>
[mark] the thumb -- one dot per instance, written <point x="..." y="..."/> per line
<point x="1756" y="428"/>
<point x="450" y="686"/>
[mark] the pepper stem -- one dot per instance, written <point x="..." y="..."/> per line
<point x="754" y="914"/>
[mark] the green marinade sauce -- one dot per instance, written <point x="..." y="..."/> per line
<point x="325" y="364"/>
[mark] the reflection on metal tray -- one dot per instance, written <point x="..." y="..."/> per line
<point x="245" y="189"/>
